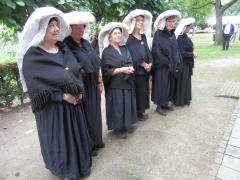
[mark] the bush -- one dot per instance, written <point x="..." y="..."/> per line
<point x="10" y="85"/>
<point x="7" y="34"/>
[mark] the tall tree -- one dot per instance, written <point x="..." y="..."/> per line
<point x="199" y="9"/>
<point x="233" y="10"/>
<point x="220" y="8"/>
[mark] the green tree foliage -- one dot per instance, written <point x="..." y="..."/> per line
<point x="14" y="13"/>
<point x="114" y="10"/>
<point x="199" y="9"/>
<point x="233" y="10"/>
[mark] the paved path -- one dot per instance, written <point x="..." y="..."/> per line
<point x="230" y="90"/>
<point x="228" y="156"/>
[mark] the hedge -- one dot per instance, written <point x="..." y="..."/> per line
<point x="10" y="85"/>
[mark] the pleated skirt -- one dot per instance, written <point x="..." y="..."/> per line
<point x="64" y="139"/>
<point x="121" y="109"/>
<point x="161" y="86"/>
<point x="92" y="106"/>
<point x="142" y="93"/>
<point x="183" y="92"/>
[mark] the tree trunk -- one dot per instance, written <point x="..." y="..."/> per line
<point x="219" y="14"/>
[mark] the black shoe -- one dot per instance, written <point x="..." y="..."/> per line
<point x="102" y="145"/>
<point x="94" y="153"/>
<point x="161" y="111"/>
<point x="121" y="135"/>
<point x="85" y="175"/>
<point x="131" y="130"/>
<point x="142" y="117"/>
<point x="169" y="108"/>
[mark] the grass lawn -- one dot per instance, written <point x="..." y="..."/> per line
<point x="208" y="51"/>
<point x="203" y="44"/>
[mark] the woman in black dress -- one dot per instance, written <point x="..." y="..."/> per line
<point x="51" y="75"/>
<point x="92" y="77"/>
<point x="117" y="68"/>
<point x="188" y="55"/>
<point x="141" y="21"/>
<point x="166" y="61"/>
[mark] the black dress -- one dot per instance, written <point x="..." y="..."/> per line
<point x="62" y="129"/>
<point x="119" y="89"/>
<point x="166" y="67"/>
<point x="140" y="53"/>
<point x="186" y="49"/>
<point x="90" y="62"/>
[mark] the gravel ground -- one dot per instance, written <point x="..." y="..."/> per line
<point x="181" y="146"/>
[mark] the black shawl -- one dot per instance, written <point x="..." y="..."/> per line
<point x="186" y="48"/>
<point x="140" y="53"/>
<point x="86" y="55"/>
<point x="111" y="60"/>
<point x="165" y="50"/>
<point x="44" y="74"/>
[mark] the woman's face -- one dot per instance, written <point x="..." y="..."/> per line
<point x="78" y="31"/>
<point x="52" y="33"/>
<point x="187" y="28"/>
<point x="170" y="23"/>
<point x="115" y="36"/>
<point x="139" y="22"/>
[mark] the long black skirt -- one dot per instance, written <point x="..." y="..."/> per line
<point x="64" y="139"/>
<point x="93" y="110"/>
<point x="161" y="86"/>
<point x="142" y="92"/>
<point x="121" y="109"/>
<point x="183" y="91"/>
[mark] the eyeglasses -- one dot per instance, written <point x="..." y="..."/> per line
<point x="171" y="21"/>
<point x="82" y="26"/>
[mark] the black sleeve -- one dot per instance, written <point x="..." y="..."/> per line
<point x="106" y="69"/>
<point x="183" y="48"/>
<point x="158" y="53"/>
